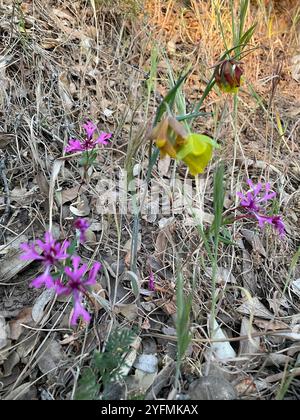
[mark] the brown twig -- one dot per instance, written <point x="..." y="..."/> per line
<point x="5" y="215"/>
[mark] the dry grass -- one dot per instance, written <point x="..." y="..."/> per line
<point x="62" y="62"/>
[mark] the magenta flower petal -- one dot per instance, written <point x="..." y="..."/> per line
<point x="151" y="283"/>
<point x="93" y="274"/>
<point x="30" y="252"/>
<point x="278" y="225"/>
<point x="52" y="251"/>
<point x="79" y="311"/>
<point x="74" y="146"/>
<point x="252" y="199"/>
<point x="75" y="275"/>
<point x="103" y="138"/>
<point x="43" y="280"/>
<point x="90" y="128"/>
<point x="81" y="225"/>
<point x="62" y="289"/>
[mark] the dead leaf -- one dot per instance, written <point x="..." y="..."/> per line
<point x="6" y="139"/>
<point x="4" y="332"/>
<point x="49" y="357"/>
<point x="69" y="194"/>
<point x="256" y="308"/>
<point x="129" y="311"/>
<point x="246" y="387"/>
<point x="248" y="275"/>
<point x="38" y="310"/>
<point x="248" y="346"/>
<point x="81" y="207"/>
<point x="19" y="392"/>
<point x="254" y="240"/>
<point x="24" y="317"/>
<point x="222" y="350"/>
<point x="223" y="275"/>
<point x="11" y="264"/>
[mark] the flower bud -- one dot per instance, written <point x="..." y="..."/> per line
<point x="228" y="75"/>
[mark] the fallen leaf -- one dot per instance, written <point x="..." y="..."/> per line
<point x="256" y="308"/>
<point x="11" y="264"/>
<point x="24" y="317"/>
<point x="222" y="350"/>
<point x="81" y="207"/>
<point x="69" y="194"/>
<point x="129" y="311"/>
<point x="4" y="332"/>
<point x="6" y="139"/>
<point x="38" y="310"/>
<point x="49" y="357"/>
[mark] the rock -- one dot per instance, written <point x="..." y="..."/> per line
<point x="147" y="363"/>
<point x="211" y="387"/>
<point x="114" y="391"/>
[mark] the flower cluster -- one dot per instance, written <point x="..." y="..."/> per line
<point x="255" y="200"/>
<point x="90" y="142"/>
<point x="171" y="138"/>
<point x="73" y="279"/>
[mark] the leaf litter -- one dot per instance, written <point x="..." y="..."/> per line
<point x="34" y="327"/>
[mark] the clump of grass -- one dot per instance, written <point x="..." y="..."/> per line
<point x="129" y="8"/>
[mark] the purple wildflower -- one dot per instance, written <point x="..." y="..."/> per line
<point x="77" y="286"/>
<point x="252" y="199"/>
<point x="88" y="143"/>
<point x="90" y="129"/>
<point x="274" y="221"/>
<point x="81" y="225"/>
<point x="44" y="280"/>
<point x="151" y="283"/>
<point x="52" y="252"/>
<point x="103" y="138"/>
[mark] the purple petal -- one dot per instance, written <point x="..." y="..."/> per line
<point x="78" y="312"/>
<point x="62" y="289"/>
<point x="30" y="253"/>
<point x="151" y="284"/>
<point x="43" y="280"/>
<point x="90" y="128"/>
<point x="74" y="146"/>
<point x="103" y="138"/>
<point x="93" y="273"/>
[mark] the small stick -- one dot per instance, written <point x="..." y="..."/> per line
<point x="5" y="216"/>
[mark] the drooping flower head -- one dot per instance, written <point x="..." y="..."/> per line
<point x="253" y="199"/>
<point x="81" y="225"/>
<point x="195" y="150"/>
<point x="90" y="142"/>
<point x="228" y="75"/>
<point x="77" y="285"/>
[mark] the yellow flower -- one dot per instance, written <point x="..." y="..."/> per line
<point x="169" y="136"/>
<point x="197" y="152"/>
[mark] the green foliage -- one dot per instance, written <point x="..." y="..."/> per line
<point x="106" y="367"/>
<point x="219" y="194"/>
<point x="184" y="305"/>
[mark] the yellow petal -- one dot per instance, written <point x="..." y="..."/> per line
<point x="200" y="153"/>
